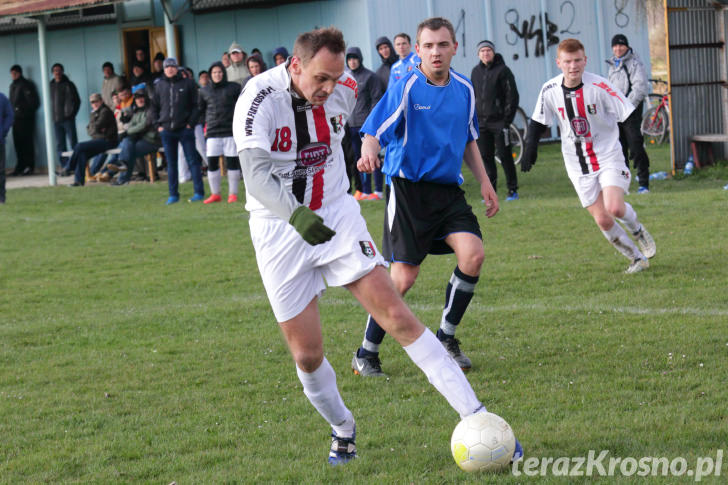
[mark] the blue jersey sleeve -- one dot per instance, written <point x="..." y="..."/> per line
<point x="387" y="116"/>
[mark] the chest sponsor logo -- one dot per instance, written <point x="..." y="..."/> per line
<point x="420" y="107"/>
<point x="367" y="249"/>
<point x="580" y="126"/>
<point x="592" y="109"/>
<point x="313" y="154"/>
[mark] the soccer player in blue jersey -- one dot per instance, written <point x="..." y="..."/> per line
<point x="407" y="59"/>
<point x="428" y="123"/>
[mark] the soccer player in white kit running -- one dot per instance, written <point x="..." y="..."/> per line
<point x="306" y="228"/>
<point x="587" y="108"/>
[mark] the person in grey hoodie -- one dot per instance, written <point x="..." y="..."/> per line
<point x="628" y="74"/>
<point x="388" y="57"/>
<point x="370" y="89"/>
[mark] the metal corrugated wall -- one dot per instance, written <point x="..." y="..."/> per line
<point x="515" y="28"/>
<point x="696" y="34"/>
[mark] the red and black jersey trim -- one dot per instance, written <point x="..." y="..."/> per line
<point x="303" y="138"/>
<point x="569" y="93"/>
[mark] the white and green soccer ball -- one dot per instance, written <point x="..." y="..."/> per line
<point x="483" y="442"/>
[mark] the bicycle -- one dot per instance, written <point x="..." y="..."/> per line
<point x="656" y="120"/>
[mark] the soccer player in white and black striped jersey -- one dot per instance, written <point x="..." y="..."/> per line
<point x="588" y="108"/>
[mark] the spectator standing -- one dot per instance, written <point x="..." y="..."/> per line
<point x="237" y="72"/>
<point x="496" y="101"/>
<point x="256" y="65"/>
<point x="140" y="57"/>
<point x="428" y="122"/>
<point x="225" y="59"/>
<point x="25" y="102"/>
<point x="6" y="121"/>
<point x="139" y="75"/>
<point x="112" y="82"/>
<point x="102" y="130"/>
<point x="158" y="67"/>
<point x="65" y="104"/>
<point x="407" y="59"/>
<point x="174" y="113"/>
<point x="370" y="90"/>
<point x="628" y="74"/>
<point x="203" y="78"/>
<point x="388" y="57"/>
<point x="280" y="54"/>
<point x="217" y="106"/>
<point x="183" y="169"/>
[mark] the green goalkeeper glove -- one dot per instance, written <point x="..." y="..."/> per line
<point x="310" y="226"/>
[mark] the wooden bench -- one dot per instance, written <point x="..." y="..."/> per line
<point x="150" y="158"/>
<point x="707" y="139"/>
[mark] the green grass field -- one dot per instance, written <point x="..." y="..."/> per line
<point x="137" y="344"/>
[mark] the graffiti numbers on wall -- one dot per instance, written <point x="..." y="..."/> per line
<point x="621" y="19"/>
<point x="571" y="12"/>
<point x="528" y="30"/>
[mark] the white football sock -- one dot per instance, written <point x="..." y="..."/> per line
<point x="213" y="178"/>
<point x="630" y="219"/>
<point x="620" y="240"/>
<point x="319" y="387"/>
<point x="233" y="181"/>
<point x="443" y="373"/>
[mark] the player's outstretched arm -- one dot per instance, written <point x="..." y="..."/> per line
<point x="268" y="189"/>
<point x="530" y="151"/>
<point x="475" y="163"/>
<point x="369" y="160"/>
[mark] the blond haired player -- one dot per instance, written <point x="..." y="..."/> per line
<point x="587" y="108"/>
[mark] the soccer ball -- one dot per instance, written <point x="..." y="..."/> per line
<point x="483" y="442"/>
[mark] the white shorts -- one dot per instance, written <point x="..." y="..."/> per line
<point x="590" y="185"/>
<point x="221" y="146"/>
<point x="293" y="271"/>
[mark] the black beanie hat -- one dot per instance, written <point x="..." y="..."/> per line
<point x="620" y="39"/>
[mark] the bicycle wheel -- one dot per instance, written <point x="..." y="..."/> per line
<point x="516" y="144"/>
<point x="654" y="126"/>
<point x="521" y="122"/>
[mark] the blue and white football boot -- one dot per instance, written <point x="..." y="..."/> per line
<point x="342" y="449"/>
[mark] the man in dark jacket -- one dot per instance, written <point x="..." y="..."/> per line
<point x="388" y="57"/>
<point x="102" y="130"/>
<point x="370" y="90"/>
<point x="6" y="121"/>
<point x="65" y="103"/>
<point x="217" y="106"/>
<point x="174" y="113"/>
<point x="25" y="101"/>
<point x="496" y="101"/>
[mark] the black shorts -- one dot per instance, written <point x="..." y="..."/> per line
<point x="422" y="215"/>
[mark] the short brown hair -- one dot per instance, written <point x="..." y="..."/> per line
<point x="435" y="23"/>
<point x="404" y="36"/>
<point x="570" y="45"/>
<point x="309" y="43"/>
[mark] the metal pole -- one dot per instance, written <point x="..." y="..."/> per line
<point x="488" y="9"/>
<point x="600" y="36"/>
<point x="47" y="107"/>
<point x="169" y="30"/>
<point x="547" y="61"/>
<point x="430" y="8"/>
